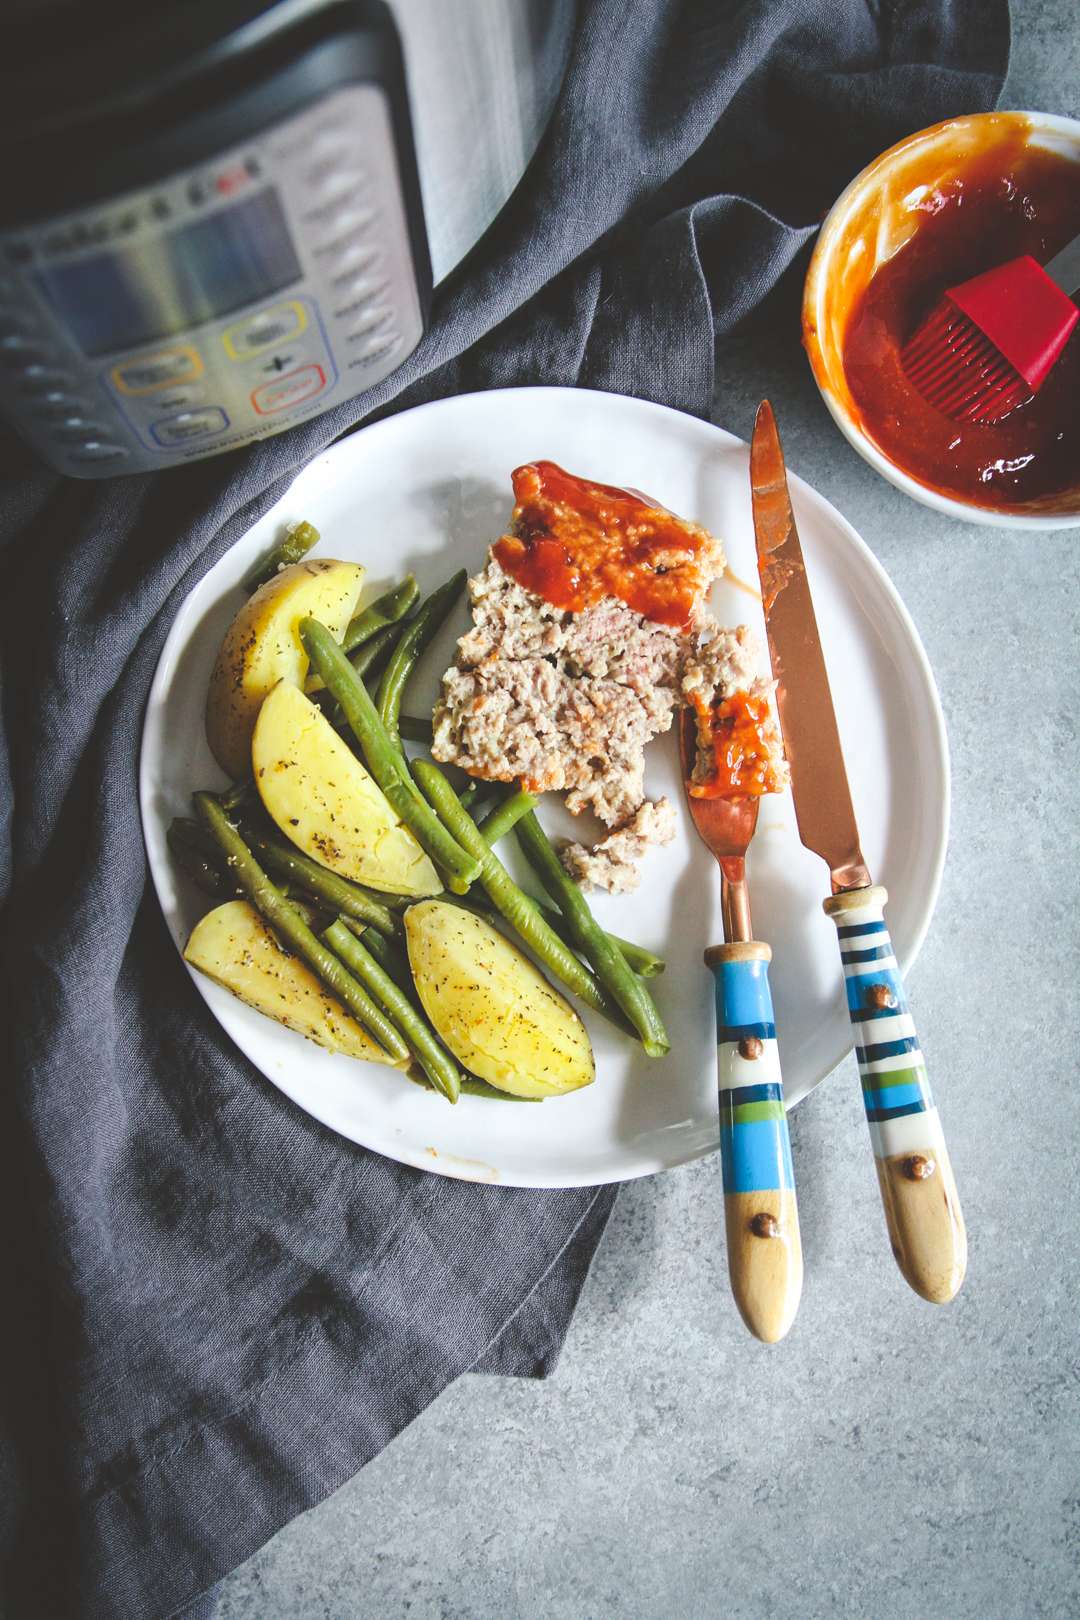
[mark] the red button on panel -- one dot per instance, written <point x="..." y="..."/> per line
<point x="291" y="389"/>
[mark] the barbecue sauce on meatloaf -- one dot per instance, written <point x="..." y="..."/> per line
<point x="573" y="542"/>
<point x="740" y="753"/>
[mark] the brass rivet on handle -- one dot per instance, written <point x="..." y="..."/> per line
<point x="764" y="1225"/>
<point x="918" y="1167"/>
<point x="880" y="996"/>
<point x="751" y="1047"/>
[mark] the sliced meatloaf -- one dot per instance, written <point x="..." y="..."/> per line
<point x="564" y="698"/>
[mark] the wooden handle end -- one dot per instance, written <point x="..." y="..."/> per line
<point x="765" y="1260"/>
<point x="926" y="1224"/>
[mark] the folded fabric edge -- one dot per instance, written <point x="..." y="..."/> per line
<point x="530" y="1343"/>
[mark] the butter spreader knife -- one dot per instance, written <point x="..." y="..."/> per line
<point x="918" y="1191"/>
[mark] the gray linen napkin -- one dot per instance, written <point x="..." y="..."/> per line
<point x="217" y="1310"/>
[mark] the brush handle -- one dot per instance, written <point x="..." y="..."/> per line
<point x="1064" y="268"/>
<point x="761" y="1216"/>
<point x="922" y="1209"/>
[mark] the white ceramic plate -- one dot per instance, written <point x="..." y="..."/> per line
<point x="429" y="490"/>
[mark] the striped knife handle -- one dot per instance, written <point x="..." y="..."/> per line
<point x="761" y="1215"/>
<point x="922" y="1209"/>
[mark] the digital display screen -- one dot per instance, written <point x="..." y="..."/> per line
<point x="123" y="298"/>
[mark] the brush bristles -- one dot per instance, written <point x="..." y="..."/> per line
<point x="958" y="371"/>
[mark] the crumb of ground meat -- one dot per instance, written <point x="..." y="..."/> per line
<point x="723" y="661"/>
<point x="610" y="863"/>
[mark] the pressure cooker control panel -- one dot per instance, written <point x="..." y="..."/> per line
<point x="232" y="300"/>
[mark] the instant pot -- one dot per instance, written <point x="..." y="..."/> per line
<point x="220" y="218"/>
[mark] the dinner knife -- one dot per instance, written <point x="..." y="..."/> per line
<point x="922" y="1209"/>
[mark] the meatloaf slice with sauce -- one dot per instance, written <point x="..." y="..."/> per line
<point x="589" y="620"/>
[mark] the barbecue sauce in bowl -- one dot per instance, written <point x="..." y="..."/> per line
<point x="1010" y="200"/>
<point x="942" y="206"/>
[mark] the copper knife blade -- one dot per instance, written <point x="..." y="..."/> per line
<point x="819" y="784"/>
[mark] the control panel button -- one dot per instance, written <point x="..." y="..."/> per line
<point x="18" y="353"/>
<point x="375" y="348"/>
<point x="368" y="320"/>
<point x="264" y="331"/>
<point x="330" y="201"/>
<point x="333" y="141"/>
<point x="189" y="425"/>
<point x="353" y="278"/>
<point x="40" y="382"/>
<point x="359" y="292"/>
<point x="153" y="371"/>
<point x="347" y="221"/>
<point x="291" y="389"/>
<point x="55" y="404"/>
<point x="78" y="430"/>
<point x="178" y="399"/>
<point x="351" y="256"/>
<point x="98" y="450"/>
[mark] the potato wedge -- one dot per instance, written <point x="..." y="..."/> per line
<point x="319" y="794"/>
<point x="234" y="946"/>
<point x="262" y="647"/>
<point x="495" y="1011"/>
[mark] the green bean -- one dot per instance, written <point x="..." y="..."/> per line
<point x="368" y="659"/>
<point x="378" y="615"/>
<point x="293" y="931"/>
<point x="387" y="952"/>
<point x="520" y="912"/>
<point x="384" y="760"/>
<point x="339" y="893"/>
<point x="414" y="728"/>
<point x="498" y="822"/>
<point x="240" y="793"/>
<point x="433" y="1057"/>
<point x="472" y="1086"/>
<point x="369" y="638"/>
<point x="644" y="962"/>
<point x="298" y="541"/>
<point x="194" y="861"/>
<point x="186" y="830"/>
<point x="373" y="653"/>
<point x="475" y="1087"/>
<point x="418" y="634"/>
<point x="599" y="949"/>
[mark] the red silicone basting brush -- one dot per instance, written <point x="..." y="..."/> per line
<point x="988" y="345"/>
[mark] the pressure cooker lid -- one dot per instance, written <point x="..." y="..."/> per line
<point x="64" y="63"/>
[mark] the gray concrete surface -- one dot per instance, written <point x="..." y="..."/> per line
<point x="889" y="1459"/>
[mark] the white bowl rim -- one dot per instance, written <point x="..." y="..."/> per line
<point x="1051" y="123"/>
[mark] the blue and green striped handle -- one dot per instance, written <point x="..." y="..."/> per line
<point x="922" y="1208"/>
<point x="761" y="1214"/>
